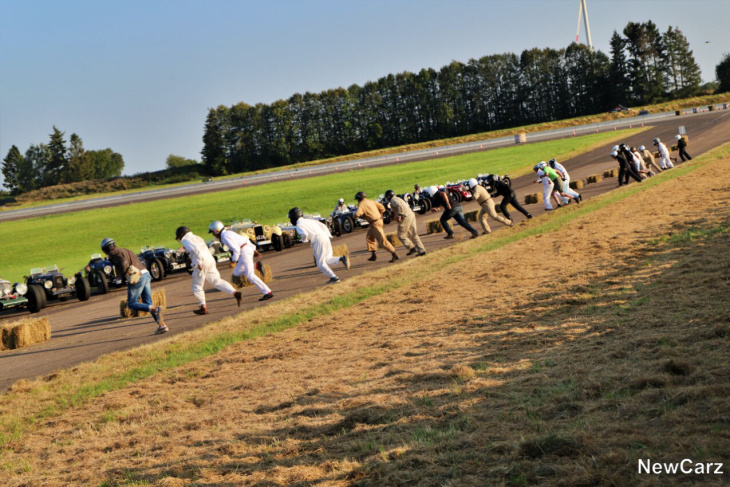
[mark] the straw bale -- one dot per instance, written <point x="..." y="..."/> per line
<point x="434" y="226"/>
<point x="509" y="208"/>
<point x="531" y="198"/>
<point x="471" y="216"/>
<point x="611" y="173"/>
<point x="266" y="276"/>
<point x="393" y="239"/>
<point x="340" y="250"/>
<point x="159" y="298"/>
<point x="596" y="178"/>
<point x="577" y="184"/>
<point x="22" y="333"/>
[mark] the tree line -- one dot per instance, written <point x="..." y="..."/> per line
<point x="493" y="92"/>
<point x="54" y="163"/>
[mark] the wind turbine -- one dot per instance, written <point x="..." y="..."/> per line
<point x="583" y="12"/>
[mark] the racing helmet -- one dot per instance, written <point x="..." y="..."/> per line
<point x="432" y="190"/>
<point x="181" y="232"/>
<point x="615" y="147"/>
<point x="341" y="201"/>
<point x="360" y="196"/>
<point x="536" y="167"/>
<point x="216" y="227"/>
<point x="642" y="148"/>
<point x="614" y="153"/>
<point x="389" y="194"/>
<point x="107" y="245"/>
<point x="677" y="136"/>
<point x="490" y="179"/>
<point x="657" y="140"/>
<point x="295" y="214"/>
<point x="415" y="186"/>
<point x="552" y="163"/>
<point x="472" y="183"/>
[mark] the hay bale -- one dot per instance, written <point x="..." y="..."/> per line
<point x="159" y="298"/>
<point x="577" y="184"/>
<point x="434" y="226"/>
<point x="657" y="155"/>
<point x="596" y="178"/>
<point x="471" y="216"/>
<point x="340" y="250"/>
<point x="25" y="332"/>
<point x="266" y="276"/>
<point x="393" y="239"/>
<point x="611" y="173"/>
<point x="509" y="208"/>
<point x="531" y="198"/>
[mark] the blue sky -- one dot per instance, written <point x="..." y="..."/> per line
<point x="139" y="76"/>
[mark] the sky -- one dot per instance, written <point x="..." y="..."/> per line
<point x="140" y="76"/>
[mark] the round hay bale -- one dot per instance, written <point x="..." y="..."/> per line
<point x="393" y="239"/>
<point x="577" y="184"/>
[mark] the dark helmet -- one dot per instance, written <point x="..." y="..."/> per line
<point x="490" y="178"/>
<point x="552" y="163"/>
<point x="295" y="214"/>
<point x="181" y="232"/>
<point x="107" y="245"/>
<point x="360" y="196"/>
<point x="415" y="186"/>
<point x="389" y="194"/>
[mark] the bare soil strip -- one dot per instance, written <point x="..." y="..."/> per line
<point x="562" y="358"/>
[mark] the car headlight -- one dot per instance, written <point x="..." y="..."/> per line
<point x="48" y="284"/>
<point x="168" y="255"/>
<point x="5" y="288"/>
<point x="72" y="280"/>
<point x="107" y="269"/>
<point x="21" y="288"/>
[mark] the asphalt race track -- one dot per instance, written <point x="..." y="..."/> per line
<point x="83" y="331"/>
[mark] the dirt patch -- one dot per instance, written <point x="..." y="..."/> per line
<point x="559" y="359"/>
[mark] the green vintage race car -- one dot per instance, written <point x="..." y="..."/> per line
<point x="21" y="296"/>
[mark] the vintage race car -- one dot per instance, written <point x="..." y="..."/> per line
<point x="257" y="233"/>
<point x="459" y="190"/>
<point x="57" y="286"/>
<point x="482" y="179"/>
<point x="219" y="251"/>
<point x="102" y="275"/>
<point x="419" y="202"/>
<point x="161" y="261"/>
<point x="20" y="295"/>
<point x="345" y="221"/>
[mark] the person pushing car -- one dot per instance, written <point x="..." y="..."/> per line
<point x="317" y="234"/>
<point x="243" y="252"/>
<point x="372" y="211"/>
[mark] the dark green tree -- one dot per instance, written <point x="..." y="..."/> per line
<point x="646" y="61"/>
<point x="174" y="161"/>
<point x="722" y="72"/>
<point x="213" y="153"/>
<point x="683" y="72"/>
<point x="38" y="158"/>
<point x="79" y="166"/>
<point x="619" y="85"/>
<point x="18" y="172"/>
<point x="56" y="169"/>
<point x="106" y="163"/>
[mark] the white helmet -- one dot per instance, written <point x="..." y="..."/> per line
<point x="341" y="200"/>
<point x="615" y="147"/>
<point x="432" y="190"/>
<point x="216" y="227"/>
<point x="472" y="183"/>
<point x="677" y="137"/>
<point x="642" y="148"/>
<point x="542" y="164"/>
<point x="614" y="153"/>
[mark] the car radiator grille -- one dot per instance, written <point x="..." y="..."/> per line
<point x="58" y="282"/>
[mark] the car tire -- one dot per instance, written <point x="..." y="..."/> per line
<point x="457" y="196"/>
<point x="507" y="181"/>
<point x="276" y="242"/>
<point x="346" y="224"/>
<point x="427" y="204"/>
<point x="287" y="240"/>
<point x="386" y="217"/>
<point x="36" y="298"/>
<point x="156" y="270"/>
<point x="83" y="288"/>
<point x="98" y="280"/>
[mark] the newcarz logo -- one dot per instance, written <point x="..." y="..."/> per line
<point x="686" y="466"/>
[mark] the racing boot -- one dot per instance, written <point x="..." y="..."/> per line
<point x="203" y="310"/>
<point x="237" y="295"/>
<point x="373" y="257"/>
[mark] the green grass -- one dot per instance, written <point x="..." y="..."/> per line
<point x="69" y="239"/>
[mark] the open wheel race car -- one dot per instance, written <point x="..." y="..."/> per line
<point x="482" y="179"/>
<point x="20" y="295"/>
<point x="161" y="261"/>
<point x="101" y="274"/>
<point x="57" y="286"/>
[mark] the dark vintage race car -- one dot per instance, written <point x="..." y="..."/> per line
<point x="102" y="274"/>
<point x="284" y="235"/>
<point x="419" y="202"/>
<point x="57" y="286"/>
<point x="482" y="179"/>
<point x="161" y="261"/>
<point x="345" y="221"/>
<point x="21" y="296"/>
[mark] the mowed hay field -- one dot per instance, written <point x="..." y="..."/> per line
<point x="561" y="358"/>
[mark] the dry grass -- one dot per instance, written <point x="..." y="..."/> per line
<point x="577" y="184"/>
<point x="159" y="298"/>
<point x="563" y="381"/>
<point x="531" y="198"/>
<point x="393" y="239"/>
<point x="596" y="178"/>
<point x="241" y="281"/>
<point x="24" y="332"/>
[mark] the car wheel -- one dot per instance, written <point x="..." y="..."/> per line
<point x="346" y="224"/>
<point x="157" y="272"/>
<point x="386" y="217"/>
<point x="287" y="240"/>
<point x="98" y="280"/>
<point x="427" y="204"/>
<point x="83" y="288"/>
<point x="457" y="196"/>
<point x="507" y="181"/>
<point x="276" y="242"/>
<point x="36" y="298"/>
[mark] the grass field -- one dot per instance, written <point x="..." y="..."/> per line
<point x="613" y="350"/>
<point x="69" y="239"/>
